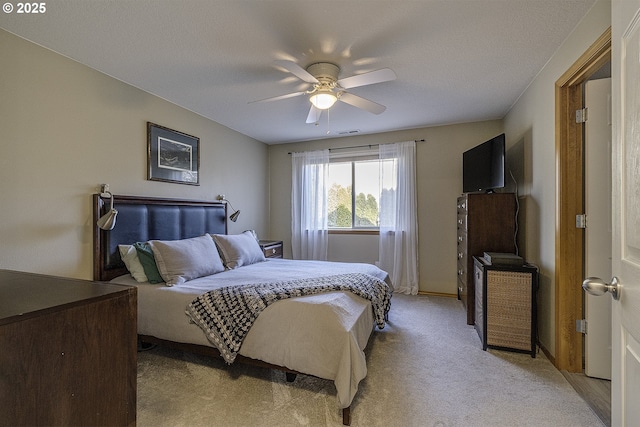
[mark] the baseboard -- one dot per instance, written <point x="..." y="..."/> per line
<point x="551" y="358"/>
<point x="437" y="294"/>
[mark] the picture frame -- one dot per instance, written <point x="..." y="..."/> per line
<point x="172" y="156"/>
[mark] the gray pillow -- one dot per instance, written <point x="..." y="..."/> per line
<point x="239" y="249"/>
<point x="179" y="261"/>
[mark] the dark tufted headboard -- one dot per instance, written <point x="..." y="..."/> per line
<point x="144" y="218"/>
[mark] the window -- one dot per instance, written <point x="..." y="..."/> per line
<point x="354" y="192"/>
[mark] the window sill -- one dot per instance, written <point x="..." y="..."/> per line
<point x="354" y="231"/>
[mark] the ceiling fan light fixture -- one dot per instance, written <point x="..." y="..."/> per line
<point x="323" y="99"/>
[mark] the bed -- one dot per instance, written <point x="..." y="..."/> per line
<point x="322" y="332"/>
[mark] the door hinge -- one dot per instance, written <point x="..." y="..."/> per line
<point x="581" y="326"/>
<point x="581" y="115"/>
<point x="581" y="221"/>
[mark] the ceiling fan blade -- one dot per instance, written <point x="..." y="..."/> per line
<point x="297" y="71"/>
<point x="277" y="98"/>
<point x="360" y="102"/>
<point x="378" y="76"/>
<point x="314" y="114"/>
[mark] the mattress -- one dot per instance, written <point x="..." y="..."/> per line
<point x="322" y="335"/>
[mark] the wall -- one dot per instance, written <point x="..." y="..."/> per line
<point x="439" y="182"/>
<point x="66" y="128"/>
<point x="531" y="122"/>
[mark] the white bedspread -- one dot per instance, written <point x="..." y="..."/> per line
<point x="322" y="335"/>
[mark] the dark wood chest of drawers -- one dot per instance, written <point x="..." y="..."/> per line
<point x="486" y="223"/>
<point x="68" y="351"/>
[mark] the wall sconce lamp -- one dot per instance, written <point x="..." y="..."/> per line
<point x="234" y="216"/>
<point x="108" y="220"/>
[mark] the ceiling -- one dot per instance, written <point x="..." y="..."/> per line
<point x="456" y="60"/>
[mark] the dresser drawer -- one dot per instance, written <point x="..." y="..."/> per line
<point x="462" y="270"/>
<point x="462" y="244"/>
<point x="462" y="205"/>
<point x="271" y="248"/>
<point x="462" y="288"/>
<point x="462" y="222"/>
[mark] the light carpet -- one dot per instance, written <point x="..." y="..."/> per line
<point x="425" y="368"/>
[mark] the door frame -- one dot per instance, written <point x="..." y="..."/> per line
<point x="569" y="240"/>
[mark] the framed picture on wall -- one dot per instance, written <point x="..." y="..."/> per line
<point x="172" y="156"/>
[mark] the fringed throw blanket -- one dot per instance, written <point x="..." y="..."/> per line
<point x="227" y="314"/>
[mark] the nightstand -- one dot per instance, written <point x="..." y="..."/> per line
<point x="271" y="248"/>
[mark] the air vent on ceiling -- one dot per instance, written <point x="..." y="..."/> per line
<point x="349" y="132"/>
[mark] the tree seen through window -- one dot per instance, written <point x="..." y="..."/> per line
<point x="343" y="197"/>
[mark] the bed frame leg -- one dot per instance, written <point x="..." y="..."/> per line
<point x="291" y="377"/>
<point x="346" y="416"/>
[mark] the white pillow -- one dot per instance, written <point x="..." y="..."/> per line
<point x="129" y="256"/>
<point x="179" y="261"/>
<point x="239" y="249"/>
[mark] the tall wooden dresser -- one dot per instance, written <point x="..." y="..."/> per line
<point x="486" y="223"/>
<point x="68" y="351"/>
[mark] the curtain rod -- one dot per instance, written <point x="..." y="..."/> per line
<point x="360" y="146"/>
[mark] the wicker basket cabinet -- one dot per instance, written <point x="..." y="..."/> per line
<point x="505" y="309"/>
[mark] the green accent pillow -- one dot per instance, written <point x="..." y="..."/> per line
<point x="148" y="261"/>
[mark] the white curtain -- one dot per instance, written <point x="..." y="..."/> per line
<point x="309" y="229"/>
<point x="398" y="216"/>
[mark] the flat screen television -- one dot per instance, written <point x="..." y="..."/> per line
<point x="483" y="166"/>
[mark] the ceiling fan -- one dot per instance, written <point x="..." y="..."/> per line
<point x="326" y="88"/>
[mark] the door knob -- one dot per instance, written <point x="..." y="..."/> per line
<point x="596" y="286"/>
